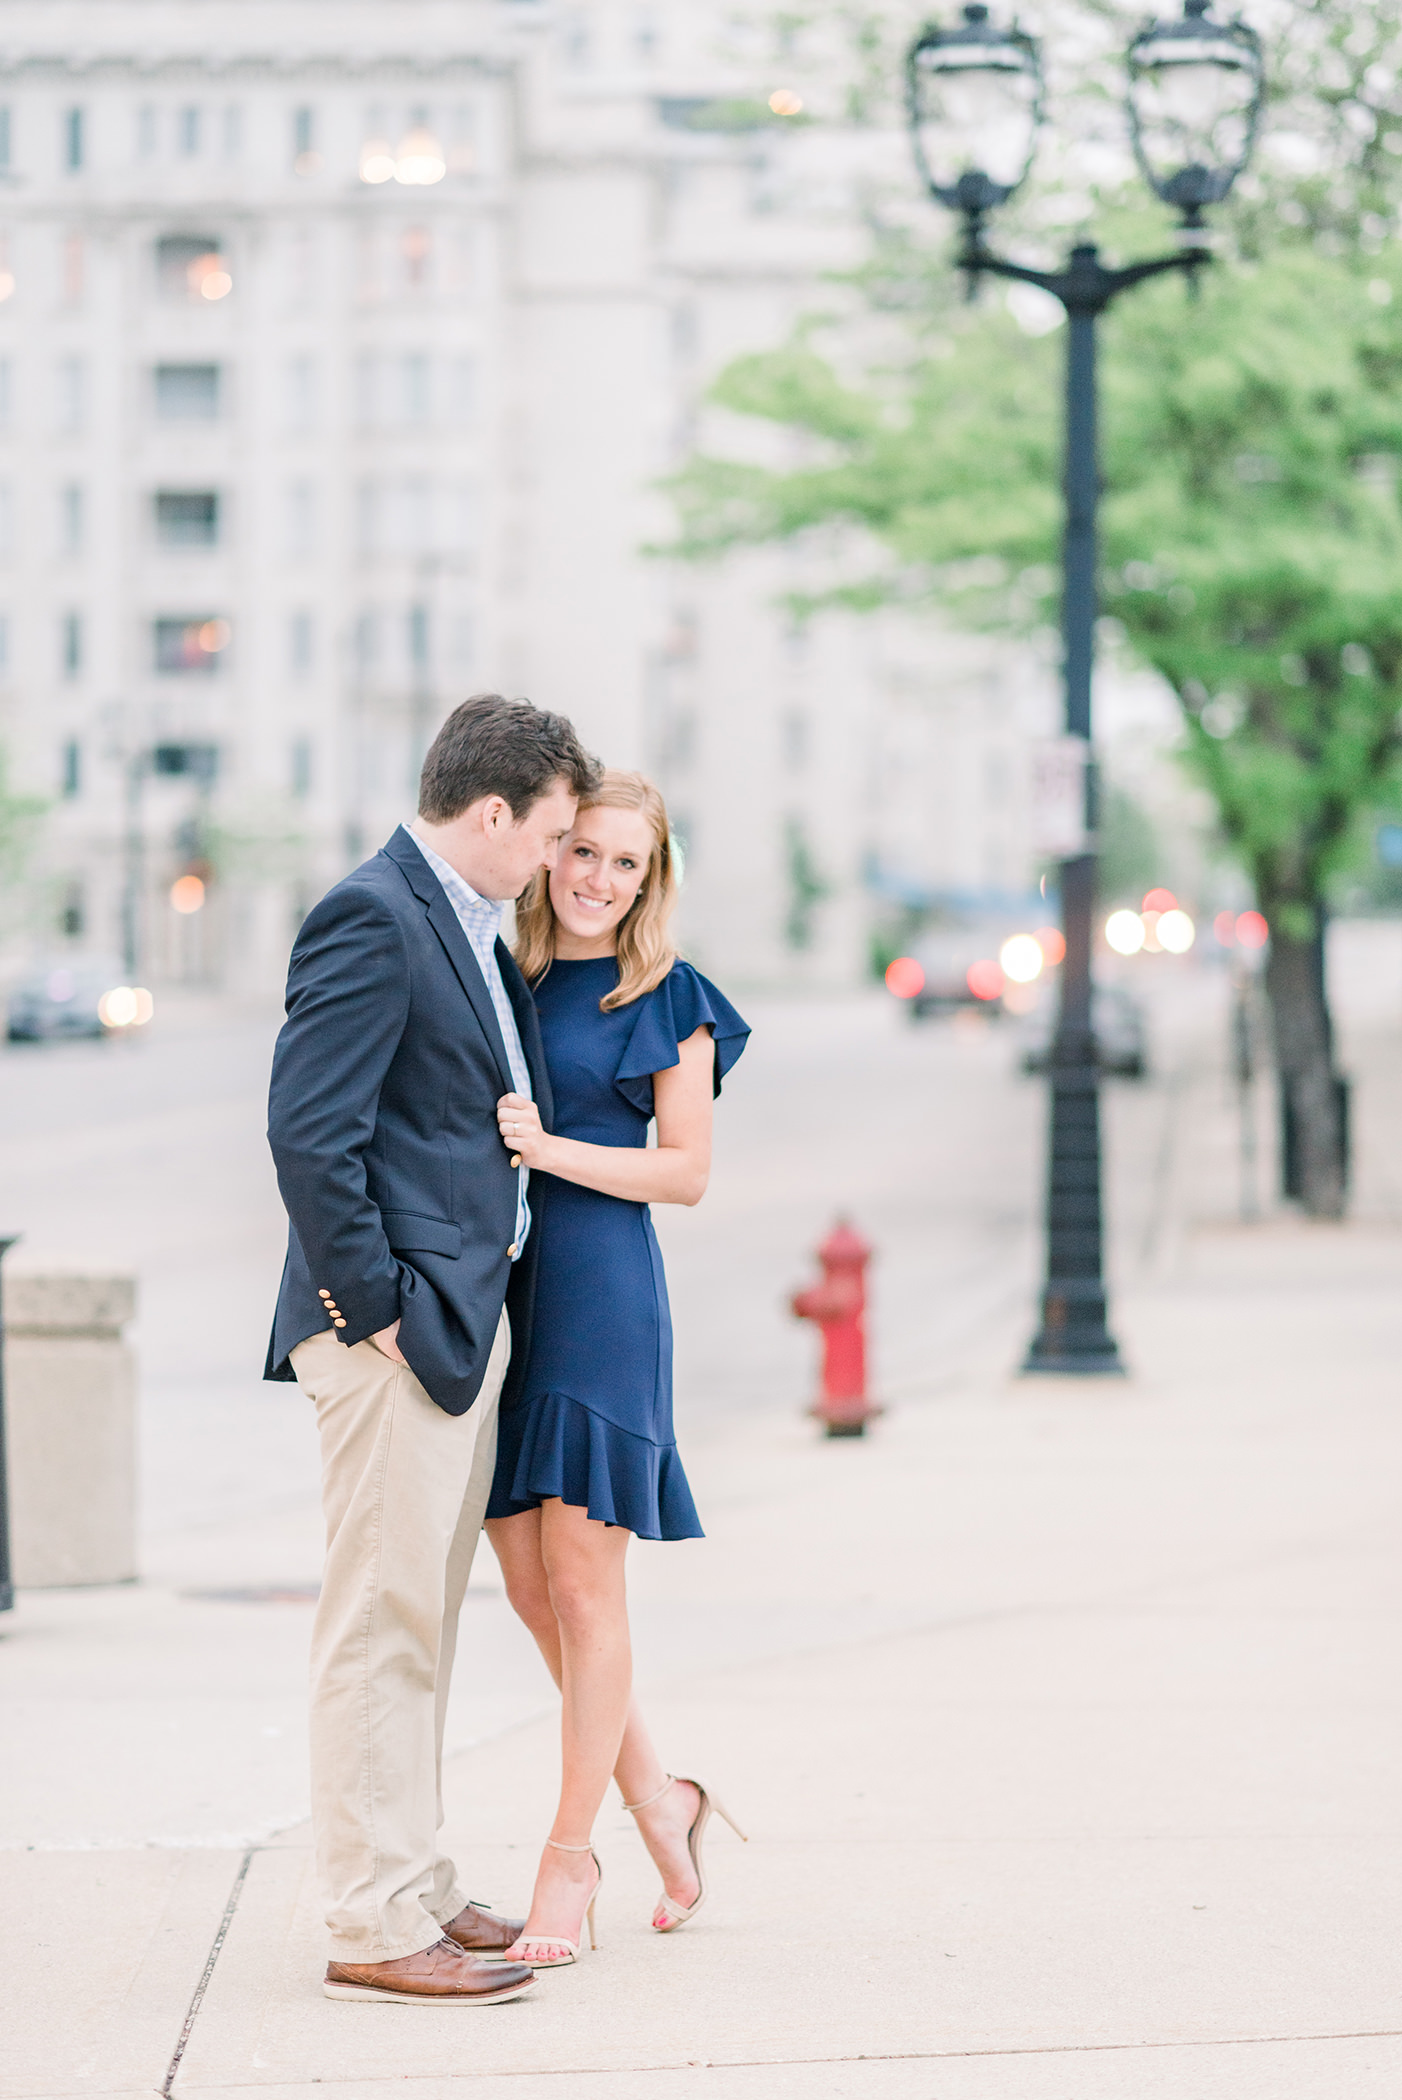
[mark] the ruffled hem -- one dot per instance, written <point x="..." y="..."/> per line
<point x="672" y="1012"/>
<point x="555" y="1445"/>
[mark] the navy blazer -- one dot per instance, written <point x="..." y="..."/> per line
<point x="400" y="1194"/>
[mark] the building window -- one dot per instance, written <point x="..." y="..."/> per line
<point x="70" y="519"/>
<point x="416" y="391"/>
<point x="70" y="391"/>
<point x="187" y="132"/>
<point x="367" y="640"/>
<point x="301" y="518"/>
<point x="187" y="393"/>
<point x="70" y="644"/>
<point x="189" y="647"/>
<point x="4" y="138"/>
<point x="72" y="917"/>
<point x="299" y="643"/>
<point x="460" y="258"/>
<point x="233" y="131"/>
<point x="462" y="141"/>
<point x="415" y="507"/>
<point x="71" y="779"/>
<point x="460" y="535"/>
<point x="301" y="768"/>
<point x="305" y="157"/>
<point x="303" y="259"/>
<point x="301" y="392"/>
<point x="192" y="266"/>
<point x="74" y="257"/>
<point x="463" y="389"/>
<point x="368" y="509"/>
<point x="367" y="371"/>
<point x="417" y="636"/>
<point x="416" y="244"/>
<point x="146" y="132"/>
<point x="187" y="517"/>
<point x="73" y="141"/>
<point x="794" y="733"/>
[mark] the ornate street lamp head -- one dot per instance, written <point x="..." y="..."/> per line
<point x="1196" y="88"/>
<point x="974" y="96"/>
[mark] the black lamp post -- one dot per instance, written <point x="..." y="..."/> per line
<point x="975" y="101"/>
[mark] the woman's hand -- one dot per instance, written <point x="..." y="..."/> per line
<point x="518" y="1120"/>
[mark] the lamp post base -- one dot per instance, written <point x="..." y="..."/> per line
<point x="1038" y="1365"/>
<point x="1074" y="1341"/>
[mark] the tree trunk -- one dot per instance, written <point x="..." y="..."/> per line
<point x="1304" y="1056"/>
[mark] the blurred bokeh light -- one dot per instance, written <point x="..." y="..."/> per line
<point x="904" y="977"/>
<point x="1124" y="930"/>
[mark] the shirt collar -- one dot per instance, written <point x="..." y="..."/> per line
<point x="455" y="883"/>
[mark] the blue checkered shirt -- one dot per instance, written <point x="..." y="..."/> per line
<point x="480" y="920"/>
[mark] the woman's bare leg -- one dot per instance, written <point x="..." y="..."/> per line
<point x="583" y="1565"/>
<point x="517" y="1543"/>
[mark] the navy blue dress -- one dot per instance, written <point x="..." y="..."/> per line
<point x="593" y="1421"/>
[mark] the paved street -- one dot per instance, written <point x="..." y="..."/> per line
<point x="1062" y="1717"/>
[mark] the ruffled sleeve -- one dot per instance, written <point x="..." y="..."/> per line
<point x="682" y="1003"/>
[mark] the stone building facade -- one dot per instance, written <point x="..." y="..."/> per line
<point x="343" y="348"/>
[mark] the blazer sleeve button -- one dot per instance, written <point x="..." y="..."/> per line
<point x="512" y="1251"/>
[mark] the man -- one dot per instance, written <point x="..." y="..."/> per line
<point x="409" y="1274"/>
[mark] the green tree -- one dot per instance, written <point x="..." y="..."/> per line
<point x="1252" y="548"/>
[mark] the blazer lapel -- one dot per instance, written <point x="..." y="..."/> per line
<point x="528" y="1022"/>
<point x="446" y="924"/>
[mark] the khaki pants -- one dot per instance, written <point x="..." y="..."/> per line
<point x="404" y="1488"/>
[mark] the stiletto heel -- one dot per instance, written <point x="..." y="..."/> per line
<point x="529" y="1940"/>
<point x="676" y="1913"/>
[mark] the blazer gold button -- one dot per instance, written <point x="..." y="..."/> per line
<point x="338" y="1323"/>
<point x="326" y="1295"/>
<point x="515" y="1159"/>
<point x="512" y="1251"/>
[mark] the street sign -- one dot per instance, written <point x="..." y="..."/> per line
<point x="1059" y="783"/>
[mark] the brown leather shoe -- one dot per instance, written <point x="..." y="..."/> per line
<point x="441" y="1975"/>
<point x="478" y="1930"/>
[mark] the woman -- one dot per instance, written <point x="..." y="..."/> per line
<point x="586" y="1458"/>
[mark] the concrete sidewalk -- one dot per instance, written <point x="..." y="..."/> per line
<point x="1063" y="1720"/>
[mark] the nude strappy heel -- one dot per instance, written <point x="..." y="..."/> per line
<point x="676" y="1914"/>
<point x="522" y="1949"/>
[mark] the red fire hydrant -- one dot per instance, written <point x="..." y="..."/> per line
<point x="838" y="1304"/>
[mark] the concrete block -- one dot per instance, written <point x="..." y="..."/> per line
<point x="70" y="1406"/>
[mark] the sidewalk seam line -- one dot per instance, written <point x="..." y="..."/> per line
<point x="894" y="2056"/>
<point x="202" y="1986"/>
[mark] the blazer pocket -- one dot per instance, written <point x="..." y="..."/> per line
<point x="408" y="1234"/>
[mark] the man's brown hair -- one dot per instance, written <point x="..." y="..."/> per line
<point x="493" y="746"/>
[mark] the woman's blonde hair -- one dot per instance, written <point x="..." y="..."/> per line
<point x="645" y="952"/>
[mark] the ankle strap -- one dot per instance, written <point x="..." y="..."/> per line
<point x="633" y="1806"/>
<point x="568" y="1848"/>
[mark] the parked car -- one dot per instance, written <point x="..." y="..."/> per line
<point x="59" y="1000"/>
<point x="1118" y="1022"/>
<point x="946" y="957"/>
